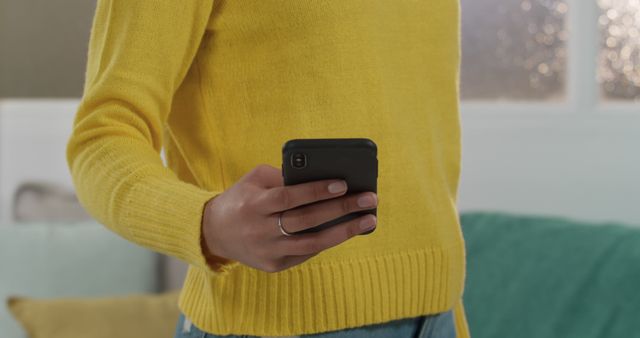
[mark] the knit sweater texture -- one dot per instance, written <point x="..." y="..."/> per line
<point x="220" y="86"/>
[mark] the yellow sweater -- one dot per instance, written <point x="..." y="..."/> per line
<point x="221" y="86"/>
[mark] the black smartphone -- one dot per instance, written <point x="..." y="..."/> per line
<point x="351" y="159"/>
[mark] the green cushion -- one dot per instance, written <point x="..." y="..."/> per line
<point x="543" y="276"/>
<point x="68" y="259"/>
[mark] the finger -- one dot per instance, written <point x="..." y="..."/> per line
<point x="282" y="198"/>
<point x="266" y="176"/>
<point x="312" y="215"/>
<point x="313" y="243"/>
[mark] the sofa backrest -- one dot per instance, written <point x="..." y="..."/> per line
<point x="543" y="276"/>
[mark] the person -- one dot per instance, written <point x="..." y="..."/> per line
<point x="217" y="87"/>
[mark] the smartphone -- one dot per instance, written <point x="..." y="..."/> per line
<point x="351" y="159"/>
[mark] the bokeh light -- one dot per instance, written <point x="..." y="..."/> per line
<point x="619" y="58"/>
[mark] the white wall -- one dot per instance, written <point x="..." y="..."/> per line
<point x="581" y="165"/>
<point x="33" y="135"/>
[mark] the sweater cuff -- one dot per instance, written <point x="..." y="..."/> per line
<point x="166" y="216"/>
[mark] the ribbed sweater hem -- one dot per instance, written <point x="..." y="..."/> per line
<point x="324" y="296"/>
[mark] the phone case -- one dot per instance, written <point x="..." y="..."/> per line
<point x="352" y="159"/>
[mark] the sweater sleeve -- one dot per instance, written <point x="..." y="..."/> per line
<point x="139" y="53"/>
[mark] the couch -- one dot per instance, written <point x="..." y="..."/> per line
<point x="527" y="275"/>
<point x="550" y="277"/>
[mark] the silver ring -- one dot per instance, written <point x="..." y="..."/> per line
<point x="284" y="232"/>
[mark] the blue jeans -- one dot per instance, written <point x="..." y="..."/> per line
<point x="432" y="326"/>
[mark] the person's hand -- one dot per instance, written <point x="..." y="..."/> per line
<point x="242" y="222"/>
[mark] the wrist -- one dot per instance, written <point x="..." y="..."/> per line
<point x="214" y="261"/>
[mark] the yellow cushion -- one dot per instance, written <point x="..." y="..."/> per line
<point x="135" y="316"/>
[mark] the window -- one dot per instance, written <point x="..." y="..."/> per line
<point x="514" y="50"/>
<point x="619" y="58"/>
<point x="550" y="51"/>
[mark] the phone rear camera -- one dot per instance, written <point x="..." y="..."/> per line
<point x="298" y="160"/>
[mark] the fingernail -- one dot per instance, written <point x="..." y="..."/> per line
<point x="366" y="201"/>
<point x="336" y="187"/>
<point x="368" y="222"/>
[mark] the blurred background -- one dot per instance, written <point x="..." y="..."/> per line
<point x="550" y="108"/>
